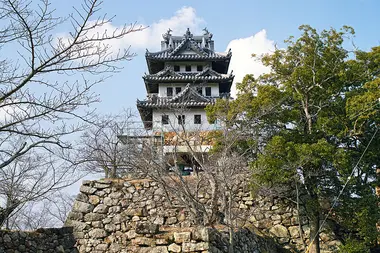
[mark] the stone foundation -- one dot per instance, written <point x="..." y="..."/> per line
<point x="54" y="240"/>
<point x="138" y="216"/>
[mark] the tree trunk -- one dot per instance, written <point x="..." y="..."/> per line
<point x="231" y="230"/>
<point x="378" y="195"/>
<point x="314" y="231"/>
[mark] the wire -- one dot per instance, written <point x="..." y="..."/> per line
<point x="342" y="190"/>
<point x="372" y="105"/>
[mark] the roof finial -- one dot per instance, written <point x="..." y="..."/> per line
<point x="167" y="35"/>
<point x="207" y="33"/>
<point x="188" y="34"/>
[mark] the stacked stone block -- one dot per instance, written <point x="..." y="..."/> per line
<point x="138" y="216"/>
<point x="54" y="240"/>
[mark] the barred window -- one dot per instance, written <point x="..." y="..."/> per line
<point x="181" y="119"/>
<point x="197" y="119"/>
<point x="165" y="119"/>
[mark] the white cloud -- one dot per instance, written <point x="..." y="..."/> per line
<point x="184" y="18"/>
<point x="150" y="37"/>
<point x="242" y="62"/>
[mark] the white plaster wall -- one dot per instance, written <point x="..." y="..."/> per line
<point x="162" y="88"/>
<point x="189" y="120"/>
<point x="182" y="66"/>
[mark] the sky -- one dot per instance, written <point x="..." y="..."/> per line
<point x="246" y="27"/>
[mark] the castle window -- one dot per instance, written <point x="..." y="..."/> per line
<point x="199" y="90"/>
<point x="197" y="119"/>
<point x="188" y="68"/>
<point x="199" y="68"/>
<point x="165" y="119"/>
<point x="176" y="68"/>
<point x="177" y="90"/>
<point x="181" y="119"/>
<point x="169" y="91"/>
<point x="208" y="91"/>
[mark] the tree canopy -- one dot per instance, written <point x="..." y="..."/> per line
<point x="314" y="118"/>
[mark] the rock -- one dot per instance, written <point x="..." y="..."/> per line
<point x="101" y="247"/>
<point x="142" y="241"/>
<point x="131" y="234"/>
<point x="101" y="209"/>
<point x="110" y="227"/>
<point x="134" y="212"/>
<point x="201" y="234"/>
<point x="75" y="216"/>
<point x="116" y="195"/>
<point x="161" y="241"/>
<point x="174" y="248"/>
<point x="100" y="193"/>
<point x="87" y="189"/>
<point x="117" y="219"/>
<point x="101" y="185"/>
<point x="93" y="217"/>
<point x="191" y="247"/>
<point x="93" y="199"/>
<point x="276" y="217"/>
<point x="78" y="226"/>
<point x="294" y="231"/>
<point x="135" y="218"/>
<point x="171" y="220"/>
<point x="131" y="189"/>
<point x="108" y="201"/>
<point x="97" y="233"/>
<point x="114" y="209"/>
<point x="82" y="197"/>
<point x="279" y="231"/>
<point x="159" y="221"/>
<point x="147" y="228"/>
<point x="159" y="249"/>
<point x="180" y="237"/>
<point x="82" y="207"/>
<point x="7" y="238"/>
<point x="97" y="224"/>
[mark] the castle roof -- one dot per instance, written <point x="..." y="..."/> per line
<point x="187" y="98"/>
<point x="168" y="74"/>
<point x="186" y="48"/>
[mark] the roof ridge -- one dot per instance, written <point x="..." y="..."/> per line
<point x="193" y="46"/>
<point x="167" y="69"/>
<point x="187" y="87"/>
<point x="191" y="93"/>
<point x="208" y="69"/>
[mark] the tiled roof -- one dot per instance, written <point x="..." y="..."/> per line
<point x="188" y="43"/>
<point x="188" y="78"/>
<point x="166" y="55"/>
<point x="162" y="103"/>
<point x="188" y="97"/>
<point x="168" y="74"/>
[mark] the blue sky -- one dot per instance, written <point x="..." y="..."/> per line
<point x="254" y="25"/>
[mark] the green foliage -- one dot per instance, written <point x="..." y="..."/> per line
<point x="311" y="118"/>
<point x="354" y="246"/>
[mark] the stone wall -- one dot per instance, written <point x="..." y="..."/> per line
<point x="137" y="216"/>
<point x="55" y="240"/>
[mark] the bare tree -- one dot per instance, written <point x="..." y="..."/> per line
<point x="218" y="172"/>
<point x="45" y="89"/>
<point x="100" y="148"/>
<point x="50" y="212"/>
